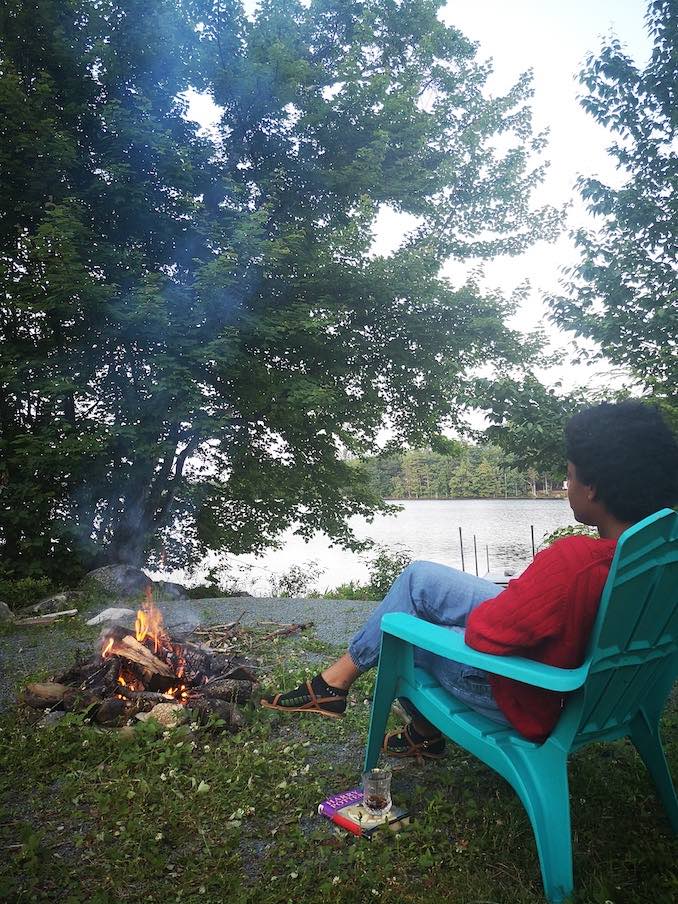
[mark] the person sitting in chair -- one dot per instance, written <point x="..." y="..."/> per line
<point x="622" y="466"/>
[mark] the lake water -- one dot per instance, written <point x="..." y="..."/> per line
<point x="429" y="528"/>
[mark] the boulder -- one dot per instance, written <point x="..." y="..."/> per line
<point x="6" y="614"/>
<point x="69" y="599"/>
<point x="114" y="615"/>
<point x="122" y="580"/>
<point x="166" y="590"/>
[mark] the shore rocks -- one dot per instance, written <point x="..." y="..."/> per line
<point x="121" y="580"/>
<point x="128" y="581"/>
<point x="166" y="590"/>
<point x="6" y="614"/>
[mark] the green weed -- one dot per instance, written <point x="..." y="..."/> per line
<point x="197" y="815"/>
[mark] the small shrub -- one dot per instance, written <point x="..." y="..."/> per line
<point x="217" y="584"/>
<point x="388" y="563"/>
<point x="20" y="592"/>
<point x="299" y="580"/>
<point x="572" y="530"/>
<point x="385" y="566"/>
<point x="351" y="591"/>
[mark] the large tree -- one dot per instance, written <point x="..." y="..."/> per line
<point x="194" y="329"/>
<point x="623" y="293"/>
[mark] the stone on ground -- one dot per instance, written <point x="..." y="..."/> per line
<point x="123" y="580"/>
<point x="166" y="590"/>
<point x="6" y="614"/>
<point x="112" y="614"/>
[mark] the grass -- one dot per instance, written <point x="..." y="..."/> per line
<point x="198" y="815"/>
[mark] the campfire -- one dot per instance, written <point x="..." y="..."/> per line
<point x="148" y="673"/>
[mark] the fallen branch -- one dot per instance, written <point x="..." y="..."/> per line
<point x="286" y="630"/>
<point x="229" y="626"/>
<point x="46" y="619"/>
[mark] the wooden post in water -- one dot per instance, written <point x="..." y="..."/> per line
<point x="532" y="533"/>
<point x="487" y="557"/>
<point x="475" y="553"/>
<point x="461" y="547"/>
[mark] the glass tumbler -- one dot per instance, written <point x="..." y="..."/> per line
<point x="377" y="791"/>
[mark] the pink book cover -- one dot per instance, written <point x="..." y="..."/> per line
<point x="338" y="801"/>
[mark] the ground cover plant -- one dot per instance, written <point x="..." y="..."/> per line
<point x="198" y="815"/>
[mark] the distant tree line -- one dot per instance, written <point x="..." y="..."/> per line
<point x="482" y="471"/>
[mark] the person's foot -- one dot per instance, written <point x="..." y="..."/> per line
<point x="314" y="696"/>
<point x="407" y="741"/>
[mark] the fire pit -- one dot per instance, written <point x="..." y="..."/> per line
<point x="149" y="673"/>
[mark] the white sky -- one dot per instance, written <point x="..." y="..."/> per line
<point x="552" y="37"/>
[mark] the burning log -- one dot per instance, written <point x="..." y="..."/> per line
<point x="151" y="697"/>
<point x="121" y="643"/>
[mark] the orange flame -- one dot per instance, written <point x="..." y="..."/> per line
<point x="149" y="622"/>
<point x="149" y="630"/>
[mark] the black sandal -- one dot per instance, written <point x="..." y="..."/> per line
<point x="323" y="700"/>
<point x="406" y="742"/>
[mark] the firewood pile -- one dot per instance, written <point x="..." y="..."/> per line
<point x="149" y="673"/>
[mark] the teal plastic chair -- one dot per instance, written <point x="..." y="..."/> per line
<point x="619" y="691"/>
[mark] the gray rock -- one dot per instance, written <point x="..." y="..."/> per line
<point x="69" y="599"/>
<point x="6" y="614"/>
<point x="123" y="580"/>
<point x="166" y="590"/>
<point x="113" y="614"/>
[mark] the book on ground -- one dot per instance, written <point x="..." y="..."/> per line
<point x="348" y="811"/>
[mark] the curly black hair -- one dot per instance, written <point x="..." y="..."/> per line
<point x="629" y="454"/>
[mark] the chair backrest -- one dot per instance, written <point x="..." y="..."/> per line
<point x="633" y="651"/>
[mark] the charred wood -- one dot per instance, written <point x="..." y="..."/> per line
<point x="43" y="695"/>
<point x="228" y="689"/>
<point x="113" y="712"/>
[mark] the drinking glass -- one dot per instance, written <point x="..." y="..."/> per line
<point x="377" y="791"/>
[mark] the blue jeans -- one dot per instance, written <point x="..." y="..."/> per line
<point x="443" y="596"/>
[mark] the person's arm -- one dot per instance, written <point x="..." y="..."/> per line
<point x="526" y="613"/>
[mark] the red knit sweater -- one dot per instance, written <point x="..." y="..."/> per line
<point x="547" y="615"/>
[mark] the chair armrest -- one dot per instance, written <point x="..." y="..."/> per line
<point x="451" y="645"/>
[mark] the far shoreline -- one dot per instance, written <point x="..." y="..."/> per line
<point x="550" y="498"/>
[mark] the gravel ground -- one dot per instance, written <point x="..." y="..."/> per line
<point x="25" y="651"/>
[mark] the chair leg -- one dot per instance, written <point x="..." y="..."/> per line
<point x="548" y="806"/>
<point x="384" y="695"/>
<point x="648" y="744"/>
